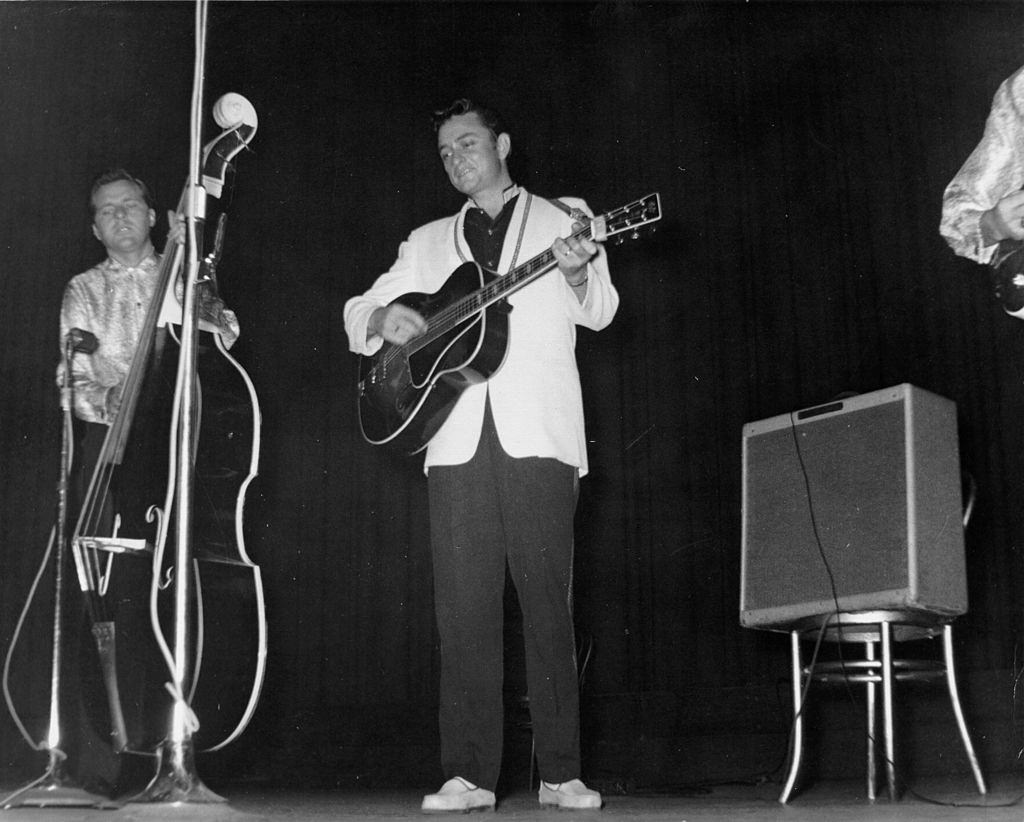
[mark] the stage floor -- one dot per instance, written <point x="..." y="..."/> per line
<point x="831" y="801"/>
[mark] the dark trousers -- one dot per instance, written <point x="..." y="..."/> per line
<point x="488" y="512"/>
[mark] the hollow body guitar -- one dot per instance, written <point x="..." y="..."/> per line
<point x="1008" y="276"/>
<point x="406" y="392"/>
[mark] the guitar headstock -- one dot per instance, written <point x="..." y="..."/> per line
<point x="629" y="218"/>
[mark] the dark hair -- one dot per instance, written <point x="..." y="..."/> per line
<point x="488" y="116"/>
<point x="113" y="176"/>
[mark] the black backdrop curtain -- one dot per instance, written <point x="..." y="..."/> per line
<point x="800" y="151"/>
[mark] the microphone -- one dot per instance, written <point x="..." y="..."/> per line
<point x="84" y="341"/>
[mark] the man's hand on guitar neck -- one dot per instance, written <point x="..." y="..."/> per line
<point x="1005" y="220"/>
<point x="396" y="323"/>
<point x="572" y="255"/>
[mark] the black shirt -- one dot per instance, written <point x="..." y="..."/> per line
<point x="485" y="236"/>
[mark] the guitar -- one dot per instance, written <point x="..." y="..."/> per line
<point x="1008" y="276"/>
<point x="405" y="392"/>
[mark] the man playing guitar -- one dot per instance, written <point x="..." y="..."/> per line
<point x="504" y="462"/>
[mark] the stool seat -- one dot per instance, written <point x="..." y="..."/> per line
<point x="877" y="631"/>
<point x="863" y="626"/>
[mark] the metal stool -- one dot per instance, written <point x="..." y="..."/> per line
<point x="877" y="630"/>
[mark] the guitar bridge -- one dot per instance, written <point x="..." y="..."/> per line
<point x="114" y="545"/>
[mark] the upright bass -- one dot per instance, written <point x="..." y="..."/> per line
<point x="126" y="519"/>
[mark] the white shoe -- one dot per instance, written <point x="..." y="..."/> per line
<point x="458" y="795"/>
<point x="572" y="795"/>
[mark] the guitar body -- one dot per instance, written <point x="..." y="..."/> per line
<point x="1008" y="276"/>
<point x="405" y="393"/>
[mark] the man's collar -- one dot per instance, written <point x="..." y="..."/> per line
<point x="511" y="191"/>
<point x="508" y="193"/>
<point x="149" y="261"/>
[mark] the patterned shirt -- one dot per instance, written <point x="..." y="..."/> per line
<point x="994" y="169"/>
<point x="110" y="300"/>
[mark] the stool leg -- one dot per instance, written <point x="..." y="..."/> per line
<point x="885" y="631"/>
<point x="954" y="696"/>
<point x="872" y="722"/>
<point x="796" y="749"/>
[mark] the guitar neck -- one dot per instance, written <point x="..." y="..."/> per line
<point x="497" y="289"/>
<point x="524" y="274"/>
<point x="628" y="219"/>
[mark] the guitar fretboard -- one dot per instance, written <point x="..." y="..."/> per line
<point x="496" y="289"/>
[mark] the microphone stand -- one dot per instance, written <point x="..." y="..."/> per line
<point x="54" y="788"/>
<point x="176" y="779"/>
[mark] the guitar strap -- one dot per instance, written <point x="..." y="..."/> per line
<point x="578" y="214"/>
